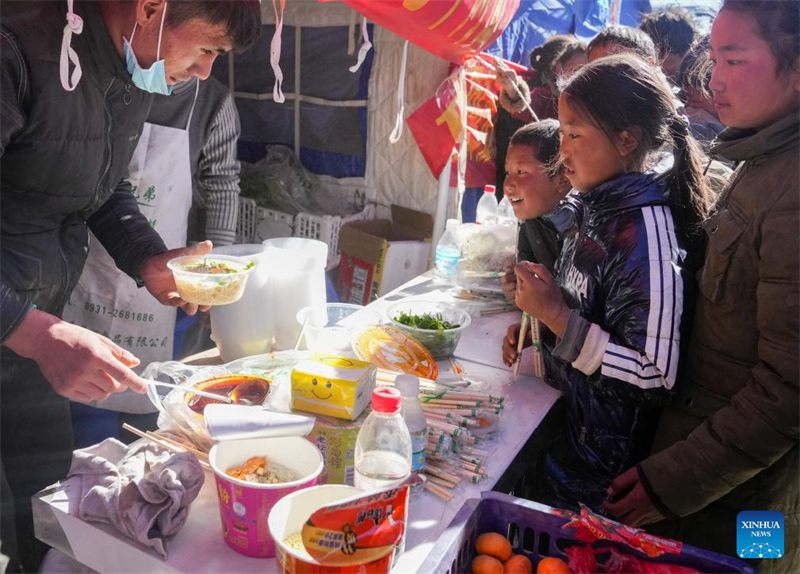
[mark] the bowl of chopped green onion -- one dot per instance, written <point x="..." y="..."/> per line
<point x="436" y="325"/>
<point x="210" y="279"/>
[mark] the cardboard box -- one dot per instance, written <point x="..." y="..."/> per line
<point x="332" y="386"/>
<point x="380" y="255"/>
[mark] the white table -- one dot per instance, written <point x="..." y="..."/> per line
<point x="199" y="546"/>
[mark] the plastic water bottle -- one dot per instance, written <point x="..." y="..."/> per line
<point x="408" y="385"/>
<point x="448" y="253"/>
<point x="383" y="445"/>
<point x="383" y="449"/>
<point x="487" y="206"/>
<point x="505" y="212"/>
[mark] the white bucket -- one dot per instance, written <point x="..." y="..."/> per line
<point x="297" y="277"/>
<point x="246" y="327"/>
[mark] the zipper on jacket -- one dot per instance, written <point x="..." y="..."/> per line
<point x="109" y="148"/>
<point x="582" y="438"/>
<point x="62" y="294"/>
<point x="127" y="97"/>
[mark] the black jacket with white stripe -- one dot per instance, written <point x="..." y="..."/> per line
<point x="622" y="274"/>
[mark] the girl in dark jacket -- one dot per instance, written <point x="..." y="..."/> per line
<point x="624" y="275"/>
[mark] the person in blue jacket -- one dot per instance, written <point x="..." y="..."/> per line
<point x="616" y="311"/>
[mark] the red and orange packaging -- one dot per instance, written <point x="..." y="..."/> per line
<point x="359" y="530"/>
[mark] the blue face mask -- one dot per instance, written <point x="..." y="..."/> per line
<point x="154" y="79"/>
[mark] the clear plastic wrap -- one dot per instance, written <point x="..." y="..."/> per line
<point x="177" y="418"/>
<point x="487" y="252"/>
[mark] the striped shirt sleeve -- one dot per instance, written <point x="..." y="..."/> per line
<point x="219" y="175"/>
<point x="648" y="353"/>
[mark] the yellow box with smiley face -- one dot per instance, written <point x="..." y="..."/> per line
<point x="332" y="386"/>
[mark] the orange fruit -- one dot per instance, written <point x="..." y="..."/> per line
<point x="483" y="564"/>
<point x="552" y="566"/>
<point x="494" y="545"/>
<point x="518" y="564"/>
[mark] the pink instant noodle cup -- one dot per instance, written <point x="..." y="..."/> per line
<point x="245" y="506"/>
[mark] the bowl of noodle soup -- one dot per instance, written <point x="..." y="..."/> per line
<point x="210" y="279"/>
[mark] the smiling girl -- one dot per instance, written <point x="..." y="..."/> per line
<point x="729" y="443"/>
<point x="617" y="306"/>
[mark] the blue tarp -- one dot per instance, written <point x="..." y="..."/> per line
<point x="537" y="20"/>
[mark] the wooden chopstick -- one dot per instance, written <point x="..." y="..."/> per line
<point x="523" y="332"/>
<point x="200" y="454"/>
<point x="161" y="443"/>
<point x="439" y="491"/>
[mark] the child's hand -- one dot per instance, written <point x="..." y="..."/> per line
<point x="509" y="284"/>
<point x="508" y="80"/>
<point x="539" y="294"/>
<point x="510" y="343"/>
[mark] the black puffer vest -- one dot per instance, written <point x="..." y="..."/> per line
<point x="73" y="149"/>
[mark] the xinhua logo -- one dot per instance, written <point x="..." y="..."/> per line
<point x="759" y="534"/>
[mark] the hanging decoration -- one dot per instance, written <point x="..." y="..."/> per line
<point x="437" y="124"/>
<point x="454" y="30"/>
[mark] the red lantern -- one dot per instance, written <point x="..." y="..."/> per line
<point x="455" y="30"/>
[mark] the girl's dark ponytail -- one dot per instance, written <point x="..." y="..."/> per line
<point x="691" y="192"/>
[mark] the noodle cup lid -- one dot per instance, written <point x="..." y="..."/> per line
<point x="237" y="265"/>
<point x="239" y="422"/>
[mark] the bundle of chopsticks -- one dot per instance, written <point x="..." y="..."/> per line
<point x="451" y="410"/>
<point x="170" y="443"/>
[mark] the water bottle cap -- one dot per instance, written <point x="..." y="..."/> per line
<point x="386" y="400"/>
<point x="489" y="189"/>
<point x="408" y="385"/>
<point x="451" y="224"/>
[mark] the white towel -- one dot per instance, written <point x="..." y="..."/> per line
<point x="144" y="491"/>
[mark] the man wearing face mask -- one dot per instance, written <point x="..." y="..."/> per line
<point x="75" y="88"/>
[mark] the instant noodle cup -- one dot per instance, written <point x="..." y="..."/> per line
<point x="286" y="524"/>
<point x="336" y="439"/>
<point x="245" y="506"/>
<point x="210" y="279"/>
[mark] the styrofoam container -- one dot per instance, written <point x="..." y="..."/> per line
<point x="246" y="506"/>
<point x="288" y="518"/>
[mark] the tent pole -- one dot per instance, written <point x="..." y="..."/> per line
<point x="441" y="201"/>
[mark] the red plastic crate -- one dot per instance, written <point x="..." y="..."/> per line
<point x="535" y="532"/>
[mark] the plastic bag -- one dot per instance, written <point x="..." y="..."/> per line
<point x="280" y="182"/>
<point x="175" y="415"/>
<point x="581" y="560"/>
<point x="621" y="563"/>
<point x="488" y="251"/>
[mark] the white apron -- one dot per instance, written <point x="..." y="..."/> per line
<point x="106" y="300"/>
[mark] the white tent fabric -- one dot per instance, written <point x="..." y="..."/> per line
<point x="395" y="173"/>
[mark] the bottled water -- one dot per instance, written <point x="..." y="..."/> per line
<point x="448" y="253"/>
<point x="505" y="212"/>
<point x="408" y="385"/>
<point x="487" y="206"/>
<point x="383" y="445"/>
<point x="383" y="448"/>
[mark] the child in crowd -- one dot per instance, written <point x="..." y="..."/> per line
<point x="693" y="80"/>
<point x="618" y="39"/>
<point x="729" y="442"/>
<point x="624" y="275"/>
<point x="516" y="94"/>
<point x="673" y="32"/>
<point x="535" y="186"/>
<point x="571" y="59"/>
